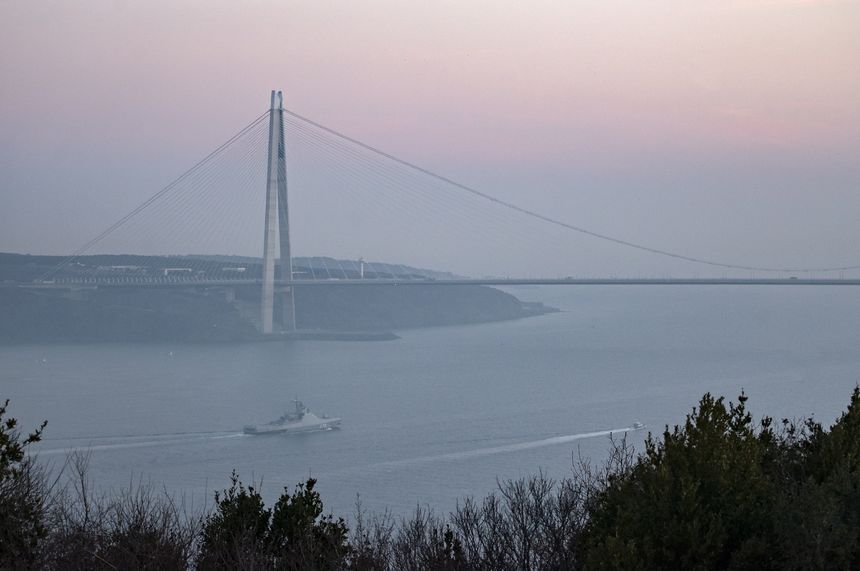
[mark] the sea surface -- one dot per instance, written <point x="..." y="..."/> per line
<point x="444" y="412"/>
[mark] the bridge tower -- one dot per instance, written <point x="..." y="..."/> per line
<point x="277" y="227"/>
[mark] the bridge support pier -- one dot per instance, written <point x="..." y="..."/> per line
<point x="277" y="227"/>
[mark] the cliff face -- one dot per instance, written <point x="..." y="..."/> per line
<point x="398" y="307"/>
<point x="118" y="315"/>
<point x="188" y="315"/>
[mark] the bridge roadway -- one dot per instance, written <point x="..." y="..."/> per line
<point x="203" y="283"/>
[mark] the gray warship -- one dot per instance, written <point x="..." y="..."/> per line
<point x="299" y="420"/>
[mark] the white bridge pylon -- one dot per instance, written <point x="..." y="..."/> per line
<point x="277" y="227"/>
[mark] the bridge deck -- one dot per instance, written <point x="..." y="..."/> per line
<point x="454" y="282"/>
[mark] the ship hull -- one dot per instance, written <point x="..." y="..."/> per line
<point x="293" y="428"/>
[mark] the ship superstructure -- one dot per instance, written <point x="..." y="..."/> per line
<point x="301" y="419"/>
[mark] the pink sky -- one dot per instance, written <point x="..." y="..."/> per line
<point x="487" y="90"/>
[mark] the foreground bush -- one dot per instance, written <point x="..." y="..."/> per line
<point x="719" y="491"/>
<point x="23" y="495"/>
<point x="241" y="533"/>
<point x="135" y="528"/>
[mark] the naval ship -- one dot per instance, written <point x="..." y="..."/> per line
<point x="300" y="420"/>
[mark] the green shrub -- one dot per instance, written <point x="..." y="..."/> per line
<point x="22" y="496"/>
<point x="242" y="533"/>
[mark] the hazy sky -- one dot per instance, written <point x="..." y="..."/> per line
<point x="727" y="129"/>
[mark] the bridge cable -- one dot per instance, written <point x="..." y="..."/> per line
<point x="399" y="181"/>
<point x="555" y="221"/>
<point x="392" y="182"/>
<point x="154" y="197"/>
<point x="197" y="185"/>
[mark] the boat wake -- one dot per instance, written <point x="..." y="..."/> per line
<point x="505" y="449"/>
<point x="119" y="443"/>
<point x="144" y="441"/>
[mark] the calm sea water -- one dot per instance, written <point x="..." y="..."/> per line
<point x="443" y="412"/>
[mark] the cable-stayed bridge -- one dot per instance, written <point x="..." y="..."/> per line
<point x="189" y="214"/>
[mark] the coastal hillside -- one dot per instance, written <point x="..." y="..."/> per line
<point x="230" y="314"/>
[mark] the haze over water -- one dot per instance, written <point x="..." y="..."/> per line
<point x="442" y="412"/>
<point x="726" y="130"/>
